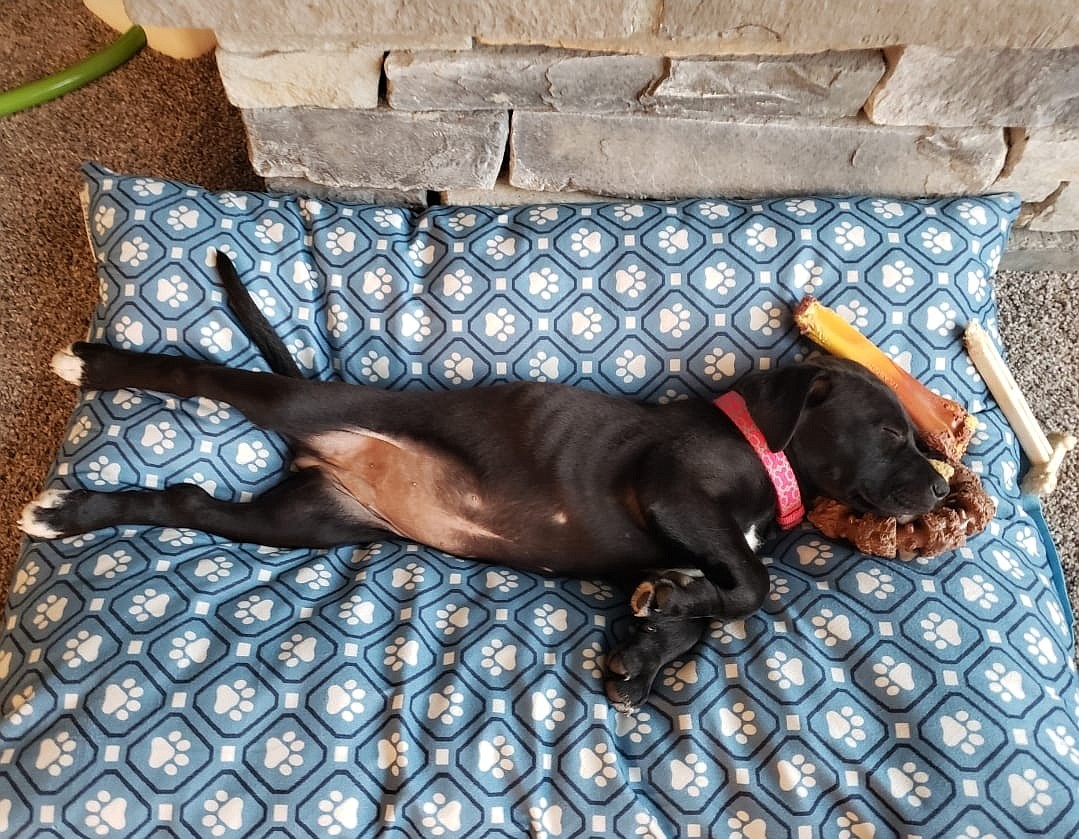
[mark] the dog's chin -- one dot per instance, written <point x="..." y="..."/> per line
<point x="900" y="509"/>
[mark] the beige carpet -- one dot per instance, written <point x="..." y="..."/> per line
<point x="170" y="119"/>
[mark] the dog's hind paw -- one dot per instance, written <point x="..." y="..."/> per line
<point x="68" y="366"/>
<point x="39" y="517"/>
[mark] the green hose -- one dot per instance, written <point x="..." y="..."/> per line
<point x="75" y="76"/>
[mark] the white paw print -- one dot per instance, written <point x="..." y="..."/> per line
<point x="766" y="318"/>
<point x="500" y="324"/>
<point x="801" y="207"/>
<point x="598" y="763"/>
<point x="338" y="814"/>
<point x="189" y="648"/>
<point x="169" y="753"/>
<point x="183" y="217"/>
<point x="104" y="219"/>
<point x="297" y="649"/>
<point x="877" y="583"/>
<point x="502" y="581"/>
<point x="50" y="610"/>
<point x="500" y="247"/>
<point x="678" y="674"/>
<point x="284" y="753"/>
<point x="728" y="631"/>
<point x="548" y="708"/>
<point x="457" y="285"/>
<point x="222" y="813"/>
<point x="628" y="212"/>
<point x="462" y="220"/>
<point x="356" y="610"/>
<point x="816" y="553"/>
<point x="892" y="676"/>
<point x="831" y="628"/>
<point x="720" y="277"/>
<point x="596" y="589"/>
<point x="387" y="218"/>
<point x="713" y="210"/>
<point x="496" y="756"/>
<point x="445" y="706"/>
<point x="744" y="826"/>
<point x="1008" y="564"/>
<point x="216" y="337"/>
<point x="401" y="652"/>
<point x="26" y="577"/>
<point x="545" y="819"/>
<point x="540" y="216"/>
<point x="55" y="754"/>
<point x="784" y="670"/>
<point x="761" y="238"/>
<point x="451" y="617"/>
<point x="543" y="367"/>
<point x="416" y="325"/>
<point x="105" y="813"/>
<point x="80" y="430"/>
<point x="738" y="722"/>
<point x="177" y="537"/>
<point x="128" y="332"/>
<point x="543" y="283"/>
<point x="1064" y="743"/>
<point x="719" y="365"/>
<point x="630" y="366"/>
<point x="126" y="399"/>
<point x="939" y="631"/>
<point x="962" y="731"/>
<point x="673" y="239"/>
<point x="592" y="659"/>
<point x="909" y="783"/>
<point x="304" y="276"/>
<point x="849" y="236"/>
<point x="337" y="320"/>
<point x="671" y="395"/>
<point x="550" y="620"/>
<point x="254" y="455"/>
<point x="846" y="725"/>
<point x="145" y="187"/>
<point x="855" y="313"/>
<point x="634" y="726"/>
<point x="233" y="201"/>
<point x="937" y="241"/>
<point x="585" y="242"/>
<point x="135" y="251"/>
<point x="941" y="318"/>
<point x="407" y="578"/>
<point x="236" y="700"/>
<point x="630" y="281"/>
<point x="340" y="241"/>
<point x="346" y="700"/>
<point x="81" y="648"/>
<point x="851" y="826"/>
<point x="808" y="276"/>
<point x="992" y="259"/>
<point x="421" y="253"/>
<point x="316" y="577"/>
<point x="689" y="774"/>
<point x="887" y="210"/>
<point x="20" y="707"/>
<point x="214" y="570"/>
<point x="148" y="604"/>
<point x="973" y="215"/>
<point x="781" y="587"/>
<point x="498" y="657"/>
<point x="977" y="287"/>
<point x="173" y="290"/>
<point x="674" y="320"/>
<point x="158" y="437"/>
<point x="392" y="753"/>
<point x="112" y="565"/>
<point x="441" y="815"/>
<point x="378" y="283"/>
<point x="1039" y="646"/>
<point x="1030" y="791"/>
<point x="253" y="608"/>
<point x="797" y="775"/>
<point x="588" y="323"/>
<point x="898" y="275"/>
<point x="374" y="367"/>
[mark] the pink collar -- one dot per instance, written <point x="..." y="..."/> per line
<point x="789" y="509"/>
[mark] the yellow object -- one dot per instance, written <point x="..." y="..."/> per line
<point x="175" y="43"/>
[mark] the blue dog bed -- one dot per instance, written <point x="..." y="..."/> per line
<point x="168" y="682"/>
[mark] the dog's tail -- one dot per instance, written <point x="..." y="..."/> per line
<point x="254" y="323"/>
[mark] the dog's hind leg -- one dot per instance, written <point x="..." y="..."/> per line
<point x="632" y="667"/>
<point x="305" y="510"/>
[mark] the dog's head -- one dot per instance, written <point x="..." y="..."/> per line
<point x="847" y="436"/>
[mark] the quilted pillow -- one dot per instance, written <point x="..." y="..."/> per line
<point x="160" y="681"/>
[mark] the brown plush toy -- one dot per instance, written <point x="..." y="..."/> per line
<point x="945" y="427"/>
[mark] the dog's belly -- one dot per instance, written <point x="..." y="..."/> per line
<point x="428" y="495"/>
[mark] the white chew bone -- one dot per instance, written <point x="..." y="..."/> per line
<point x="1045" y="453"/>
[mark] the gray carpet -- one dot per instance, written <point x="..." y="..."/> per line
<point x="170" y="119"/>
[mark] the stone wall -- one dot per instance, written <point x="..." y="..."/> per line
<point x="484" y="101"/>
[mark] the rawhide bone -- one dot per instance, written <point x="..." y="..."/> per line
<point x="945" y="426"/>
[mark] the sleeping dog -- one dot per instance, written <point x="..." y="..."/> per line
<point x="670" y="500"/>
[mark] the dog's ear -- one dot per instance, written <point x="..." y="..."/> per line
<point x="777" y="399"/>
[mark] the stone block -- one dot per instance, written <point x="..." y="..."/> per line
<point x="343" y="79"/>
<point x="1005" y="87"/>
<point x="506" y="195"/>
<point x="1059" y="214"/>
<point x="814" y="25"/>
<point x="348" y="194"/>
<point x="648" y="156"/>
<point x="1039" y="159"/>
<point x="380" y="148"/>
<point x="1029" y="250"/>
<point x="538" y="78"/>
<point x="828" y="84"/>
<point x="248" y="42"/>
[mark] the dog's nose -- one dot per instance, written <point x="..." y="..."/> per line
<point x="940" y="487"/>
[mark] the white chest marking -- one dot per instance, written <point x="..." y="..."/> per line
<point x="752" y="539"/>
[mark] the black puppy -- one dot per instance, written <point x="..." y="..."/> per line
<point x="671" y="499"/>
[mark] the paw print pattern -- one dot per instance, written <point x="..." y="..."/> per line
<point x="941" y="318"/>
<point x="598" y="764"/>
<point x="634" y="727"/>
<point x="543" y="367"/>
<point x="123" y="699"/>
<point x="128" y="332"/>
<point x="297" y="649"/>
<point x="49" y="611"/>
<point x="338" y="814"/>
<point x="284" y="753"/>
<point x="939" y="631"/>
<point x="815" y="553"/>
<point x="441" y="815"/>
<point x="253" y="608"/>
<point x="586" y="242"/>
<point x="26" y="577"/>
<point x="847" y="726"/>
<point x="340" y="241"/>
<point x="387" y="218"/>
<point x="112" y="565"/>
<point x="189" y="648"/>
<point x="629" y="212"/>
<point x="216" y="337"/>
<point x="158" y="437"/>
<point x="337" y="320"/>
<point x="543" y="283"/>
<point x="451" y="617"/>
<point x="105" y="813"/>
<point x="346" y="700"/>
<point x="937" y="241"/>
<point x="214" y="569"/>
<point x="374" y="367"/>
<point x="496" y="756"/>
<point x="169" y="753"/>
<point x="148" y="604"/>
<point x="223" y="813"/>
<point x="172" y="291"/>
<point x="630" y="366"/>
<point x="316" y="577"/>
<point x="235" y="700"/>
<point x="761" y="238"/>
<point x="587" y="323"/>
<point x="498" y="657"/>
<point x="887" y="210"/>
<point x="797" y="775"/>
<point x="801" y="207"/>
<point x="183" y="218"/>
<point x="501" y="581"/>
<point x="689" y="775"/>
<point x="401" y="652"/>
<point x="719" y="364"/>
<point x="678" y="674"/>
<point x="104" y="219"/>
<point x="630" y="281"/>
<point x="898" y="275"/>
<point x="673" y="239"/>
<point x="254" y="455"/>
<point x="421" y="253"/>
<point x="393" y="753"/>
<point x="592" y="659"/>
<point x="738" y="722"/>
<point x="549" y="619"/>
<point x="785" y="671"/>
<point x="501" y="247"/>
<point x="377" y="284"/>
<point x="548" y="708"/>
<point x="961" y="731"/>
<point x="1005" y="683"/>
<point x="445" y="706"/>
<point x="20" y="705"/>
<point x="82" y="648"/>
<point x="356" y="610"/>
<point x="416" y="324"/>
<point x="893" y="677"/>
<point x="500" y="324"/>
<point x="720" y="277"/>
<point x="674" y="320"/>
<point x="808" y="276"/>
<point x="1031" y="791"/>
<point x="849" y="236"/>
<point x="877" y="583"/>
<point x="855" y="313"/>
<point x="830" y="627"/>
<point x="908" y="783"/>
<point x="135" y="251"/>
<point x="55" y="754"/>
<point x="1064" y="743"/>
<point x="458" y="285"/>
<point x="407" y="578"/>
<point x="766" y="318"/>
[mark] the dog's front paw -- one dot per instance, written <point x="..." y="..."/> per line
<point x="68" y="366"/>
<point x="45" y="516"/>
<point x="628" y="683"/>
<point x="659" y="597"/>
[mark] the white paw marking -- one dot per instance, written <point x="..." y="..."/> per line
<point x="29" y="523"/>
<point x="68" y="366"/>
